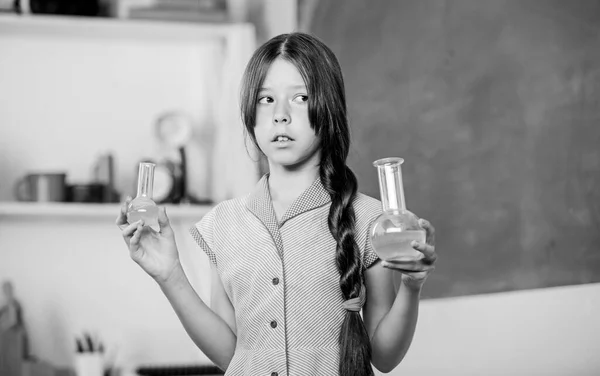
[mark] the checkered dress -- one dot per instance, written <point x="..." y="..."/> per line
<point x="282" y="278"/>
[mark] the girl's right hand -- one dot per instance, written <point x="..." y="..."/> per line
<point x="155" y="251"/>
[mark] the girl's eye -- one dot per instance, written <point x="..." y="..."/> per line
<point x="265" y="100"/>
<point x="301" y="98"/>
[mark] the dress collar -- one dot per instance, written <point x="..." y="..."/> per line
<point x="261" y="204"/>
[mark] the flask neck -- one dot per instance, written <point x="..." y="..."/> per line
<point x="391" y="188"/>
<point x="145" y="180"/>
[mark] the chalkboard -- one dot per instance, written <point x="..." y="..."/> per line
<point x="495" y="106"/>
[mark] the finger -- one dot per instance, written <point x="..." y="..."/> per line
<point x="421" y="269"/>
<point x="122" y="218"/>
<point x="163" y="221"/>
<point x="130" y="229"/>
<point x="407" y="267"/>
<point x="427" y="250"/>
<point x="135" y="239"/>
<point x="407" y="259"/>
<point x="429" y="230"/>
<point x="417" y="276"/>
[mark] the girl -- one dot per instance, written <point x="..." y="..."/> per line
<point x="292" y="262"/>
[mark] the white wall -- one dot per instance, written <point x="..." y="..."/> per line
<point x="281" y="16"/>
<point x="272" y="17"/>
<point x="74" y="274"/>
<point x="549" y="332"/>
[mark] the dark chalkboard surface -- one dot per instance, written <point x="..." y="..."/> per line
<point x="495" y="106"/>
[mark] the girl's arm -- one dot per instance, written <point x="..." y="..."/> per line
<point x="390" y="317"/>
<point x="390" y="313"/>
<point x="212" y="330"/>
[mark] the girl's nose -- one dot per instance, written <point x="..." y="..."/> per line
<point x="281" y="119"/>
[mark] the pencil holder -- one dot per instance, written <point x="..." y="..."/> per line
<point x="89" y="364"/>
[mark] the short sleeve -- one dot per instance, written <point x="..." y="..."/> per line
<point x="366" y="209"/>
<point x="369" y="255"/>
<point x="202" y="232"/>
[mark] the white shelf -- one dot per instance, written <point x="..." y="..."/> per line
<point x="77" y="27"/>
<point x="36" y="210"/>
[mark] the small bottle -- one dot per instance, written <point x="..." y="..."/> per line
<point x="142" y="206"/>
<point x="394" y="230"/>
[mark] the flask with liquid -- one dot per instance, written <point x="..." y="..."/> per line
<point x="394" y="230"/>
<point x="142" y="206"/>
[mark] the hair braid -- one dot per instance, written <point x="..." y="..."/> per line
<point x="341" y="183"/>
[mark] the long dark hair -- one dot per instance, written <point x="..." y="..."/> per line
<point x="327" y="114"/>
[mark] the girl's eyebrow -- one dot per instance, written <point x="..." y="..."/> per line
<point x="294" y="87"/>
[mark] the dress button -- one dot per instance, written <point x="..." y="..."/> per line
<point x="274" y="374"/>
<point x="273" y="324"/>
<point x="275" y="281"/>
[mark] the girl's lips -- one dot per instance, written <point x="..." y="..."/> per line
<point x="282" y="144"/>
<point x="275" y="139"/>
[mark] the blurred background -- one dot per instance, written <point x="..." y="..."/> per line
<point x="494" y="105"/>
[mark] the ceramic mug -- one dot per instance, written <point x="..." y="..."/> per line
<point x="41" y="187"/>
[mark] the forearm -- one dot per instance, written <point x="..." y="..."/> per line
<point x="208" y="331"/>
<point x="393" y="336"/>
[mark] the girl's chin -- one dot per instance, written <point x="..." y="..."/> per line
<point x="286" y="163"/>
<point x="291" y="159"/>
<point x="290" y="164"/>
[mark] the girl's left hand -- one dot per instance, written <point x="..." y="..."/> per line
<point x="415" y="270"/>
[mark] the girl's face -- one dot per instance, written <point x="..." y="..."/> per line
<point x="282" y="130"/>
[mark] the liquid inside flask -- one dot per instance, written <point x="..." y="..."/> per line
<point x="395" y="228"/>
<point x="142" y="206"/>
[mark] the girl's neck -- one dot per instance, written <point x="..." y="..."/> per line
<point x="286" y="185"/>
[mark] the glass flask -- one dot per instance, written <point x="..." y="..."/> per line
<point x="142" y="206"/>
<point x="395" y="228"/>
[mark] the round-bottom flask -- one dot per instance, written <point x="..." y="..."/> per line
<point x="142" y="206"/>
<point x="393" y="230"/>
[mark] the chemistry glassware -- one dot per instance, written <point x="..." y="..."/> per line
<point x="395" y="228"/>
<point x="142" y="206"/>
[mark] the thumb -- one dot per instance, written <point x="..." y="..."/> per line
<point x="163" y="221"/>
